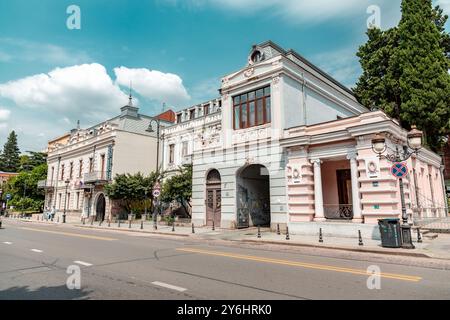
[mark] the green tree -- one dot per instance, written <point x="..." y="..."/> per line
<point x="132" y="190"/>
<point x="31" y="160"/>
<point x="9" y="159"/>
<point x="179" y="188"/>
<point x="24" y="190"/>
<point x="405" y="70"/>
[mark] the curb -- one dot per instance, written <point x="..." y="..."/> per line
<point x="132" y="230"/>
<point x="408" y="254"/>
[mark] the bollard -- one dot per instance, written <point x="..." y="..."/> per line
<point x="0" y="224"/>
<point x="142" y="224"/>
<point x="320" y="236"/>
<point x="173" y="226"/>
<point x="38" y="218"/>
<point x="92" y="221"/>
<point x="213" y="226"/>
<point x="278" y="229"/>
<point x="118" y="225"/>
<point x="129" y="224"/>
<point x="84" y="221"/>
<point x="419" y="236"/>
<point x="360" y="238"/>
<point x="109" y="223"/>
<point x="193" y="230"/>
<point x="287" y="233"/>
<point x="259" y="232"/>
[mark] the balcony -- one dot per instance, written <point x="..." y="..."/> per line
<point x="45" y="184"/>
<point x="96" y="177"/>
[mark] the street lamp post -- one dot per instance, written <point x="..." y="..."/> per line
<point x="65" y="202"/>
<point x="414" y="144"/>
<point x="156" y="203"/>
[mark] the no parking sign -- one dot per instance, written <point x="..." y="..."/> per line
<point x="399" y="170"/>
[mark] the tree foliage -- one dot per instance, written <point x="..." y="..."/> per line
<point x="131" y="190"/>
<point x="9" y="158"/>
<point x="24" y="190"/>
<point x="179" y="188"/>
<point x="31" y="160"/>
<point x="405" y="71"/>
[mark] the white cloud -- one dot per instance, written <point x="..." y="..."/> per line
<point x="444" y="4"/>
<point x="4" y="114"/>
<point x="307" y="10"/>
<point x="342" y="64"/>
<point x="154" y="85"/>
<point x="83" y="91"/>
<point x="30" y="51"/>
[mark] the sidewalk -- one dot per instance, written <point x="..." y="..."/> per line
<point x="438" y="248"/>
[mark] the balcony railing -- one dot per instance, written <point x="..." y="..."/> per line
<point x="95" y="177"/>
<point x="338" y="211"/>
<point x="45" y="184"/>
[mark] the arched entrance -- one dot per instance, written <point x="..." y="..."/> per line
<point x="100" y="208"/>
<point x="213" y="198"/>
<point x="253" y="196"/>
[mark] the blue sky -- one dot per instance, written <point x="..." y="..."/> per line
<point x="174" y="51"/>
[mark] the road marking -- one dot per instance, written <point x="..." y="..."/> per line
<point x="7" y="242"/>
<point x="71" y="234"/>
<point x="86" y="264"/>
<point x="301" y="264"/>
<point x="37" y="250"/>
<point x="168" y="286"/>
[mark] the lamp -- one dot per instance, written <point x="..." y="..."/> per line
<point x="415" y="139"/>
<point x="378" y="144"/>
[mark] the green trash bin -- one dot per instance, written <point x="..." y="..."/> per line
<point x="390" y="233"/>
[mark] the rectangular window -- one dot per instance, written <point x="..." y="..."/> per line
<point x="179" y="118"/>
<point x="71" y="171"/>
<point x="91" y="164"/>
<point x="206" y="110"/>
<point x="171" y="153"/>
<point x="192" y="114"/>
<point x="80" y="168"/>
<point x="77" y="204"/>
<point x="184" y="150"/>
<point x="68" y="201"/>
<point x="53" y="172"/>
<point x="252" y="108"/>
<point x="102" y="157"/>
<point x="62" y="172"/>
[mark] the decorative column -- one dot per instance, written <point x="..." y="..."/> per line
<point x="318" y="196"/>
<point x="355" y="188"/>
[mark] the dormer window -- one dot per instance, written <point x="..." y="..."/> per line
<point x="179" y="118"/>
<point x="192" y="114"/>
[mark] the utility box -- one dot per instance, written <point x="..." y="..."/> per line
<point x="390" y="233"/>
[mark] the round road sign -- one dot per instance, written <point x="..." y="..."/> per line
<point x="399" y="170"/>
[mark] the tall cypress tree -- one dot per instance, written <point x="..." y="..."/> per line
<point x="405" y="70"/>
<point x="10" y="157"/>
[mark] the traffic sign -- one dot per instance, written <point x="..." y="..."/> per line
<point x="156" y="193"/>
<point x="399" y="170"/>
<point x="8" y="196"/>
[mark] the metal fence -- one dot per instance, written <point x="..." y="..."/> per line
<point x="431" y="218"/>
<point x="338" y="211"/>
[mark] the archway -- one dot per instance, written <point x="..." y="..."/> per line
<point x="253" y="196"/>
<point x="213" y="198"/>
<point x="100" y="205"/>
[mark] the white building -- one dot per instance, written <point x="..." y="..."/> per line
<point x="290" y="145"/>
<point x="80" y="166"/>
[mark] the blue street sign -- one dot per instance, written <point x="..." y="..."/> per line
<point x="399" y="170"/>
<point x="8" y="196"/>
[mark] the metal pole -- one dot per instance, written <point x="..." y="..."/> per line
<point x="24" y="193"/>
<point x="65" y="204"/>
<point x="402" y="197"/>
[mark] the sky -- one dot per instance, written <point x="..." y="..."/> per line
<point x="173" y="52"/>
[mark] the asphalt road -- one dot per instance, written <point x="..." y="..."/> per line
<point x="34" y="260"/>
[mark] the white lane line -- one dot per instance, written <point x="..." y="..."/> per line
<point x="7" y="242"/>
<point x="168" y="286"/>
<point x="37" y="250"/>
<point x="86" y="264"/>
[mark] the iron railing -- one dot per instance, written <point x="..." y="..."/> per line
<point x="338" y="211"/>
<point x="43" y="184"/>
<point x="95" y="176"/>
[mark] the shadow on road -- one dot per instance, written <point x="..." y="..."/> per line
<point x="44" y="293"/>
